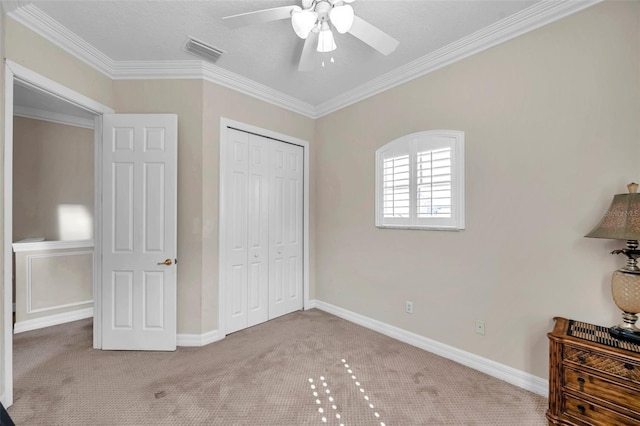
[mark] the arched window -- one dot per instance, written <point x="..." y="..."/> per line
<point x="420" y="181"/>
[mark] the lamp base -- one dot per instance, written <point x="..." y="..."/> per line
<point x="625" y="334"/>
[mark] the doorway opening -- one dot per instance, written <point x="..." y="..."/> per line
<point x="30" y="94"/>
<point x="53" y="210"/>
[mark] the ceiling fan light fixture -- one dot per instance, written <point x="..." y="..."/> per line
<point x="342" y="18"/>
<point x="326" y="43"/>
<point x="303" y="21"/>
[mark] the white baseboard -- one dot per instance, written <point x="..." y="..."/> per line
<point x="197" y="339"/>
<point x="49" y="320"/>
<point x="34" y="324"/>
<point x="511" y="375"/>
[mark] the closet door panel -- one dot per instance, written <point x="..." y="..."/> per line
<point x="294" y="300"/>
<point x="258" y="232"/>
<point x="236" y="202"/>
<point x="285" y="225"/>
<point x="277" y="255"/>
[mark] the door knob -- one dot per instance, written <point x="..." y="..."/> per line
<point x="166" y="262"/>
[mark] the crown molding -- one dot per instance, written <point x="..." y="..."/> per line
<point x="538" y="15"/>
<point x="161" y="70"/>
<point x="52" y="117"/>
<point x="196" y="69"/>
<point x="42" y="24"/>
<point x="249" y="87"/>
<point x="529" y="19"/>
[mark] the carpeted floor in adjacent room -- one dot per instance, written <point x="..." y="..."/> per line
<point x="306" y="368"/>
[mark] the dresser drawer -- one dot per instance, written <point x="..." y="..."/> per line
<point x="601" y="362"/>
<point x="594" y="414"/>
<point x="627" y="397"/>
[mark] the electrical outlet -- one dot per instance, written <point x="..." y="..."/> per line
<point x="408" y="307"/>
<point x="480" y="327"/>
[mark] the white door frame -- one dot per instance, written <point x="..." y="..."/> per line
<point x="13" y="72"/>
<point x="222" y="233"/>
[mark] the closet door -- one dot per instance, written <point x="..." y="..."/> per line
<point x="258" y="232"/>
<point x="236" y="200"/>
<point x="285" y="228"/>
<point x="263" y="244"/>
<point x="247" y="204"/>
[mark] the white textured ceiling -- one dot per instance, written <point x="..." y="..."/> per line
<point x="268" y="53"/>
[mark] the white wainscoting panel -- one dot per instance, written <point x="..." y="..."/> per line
<point x="30" y="291"/>
<point x="53" y="282"/>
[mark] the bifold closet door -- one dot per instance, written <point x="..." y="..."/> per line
<point x="285" y="228"/>
<point x="246" y="193"/>
<point x="264" y="222"/>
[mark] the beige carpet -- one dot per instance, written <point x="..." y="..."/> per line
<point x="306" y="368"/>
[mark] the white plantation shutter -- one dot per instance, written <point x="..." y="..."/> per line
<point x="433" y="170"/>
<point x="396" y="196"/>
<point x="420" y="181"/>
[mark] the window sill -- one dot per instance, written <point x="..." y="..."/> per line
<point x="421" y="228"/>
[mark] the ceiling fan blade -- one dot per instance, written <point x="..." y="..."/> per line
<point x="373" y="36"/>
<point x="259" y="16"/>
<point x="308" y="51"/>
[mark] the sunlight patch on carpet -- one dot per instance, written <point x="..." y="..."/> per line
<point x="322" y="391"/>
<point x="361" y="389"/>
<point x="327" y="406"/>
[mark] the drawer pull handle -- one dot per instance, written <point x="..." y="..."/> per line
<point x="628" y="366"/>
<point x="582" y="357"/>
<point x="581" y="409"/>
<point x="581" y="380"/>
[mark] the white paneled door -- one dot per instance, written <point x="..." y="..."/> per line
<point x="285" y="229"/>
<point x="264" y="214"/>
<point x="139" y="231"/>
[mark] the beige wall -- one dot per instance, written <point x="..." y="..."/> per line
<point x="53" y="167"/>
<point x="552" y="132"/>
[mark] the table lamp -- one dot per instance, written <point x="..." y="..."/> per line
<point x="622" y="222"/>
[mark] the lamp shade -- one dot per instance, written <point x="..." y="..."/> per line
<point x="342" y="18"/>
<point x="326" y="43"/>
<point x="622" y="220"/>
<point x="303" y="22"/>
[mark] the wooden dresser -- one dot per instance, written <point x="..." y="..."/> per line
<point x="594" y="379"/>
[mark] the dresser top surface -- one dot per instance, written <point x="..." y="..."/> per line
<point x="578" y="331"/>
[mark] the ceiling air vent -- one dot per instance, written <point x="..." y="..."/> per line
<point x="203" y="50"/>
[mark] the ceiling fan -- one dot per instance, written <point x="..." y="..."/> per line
<point x="313" y="22"/>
